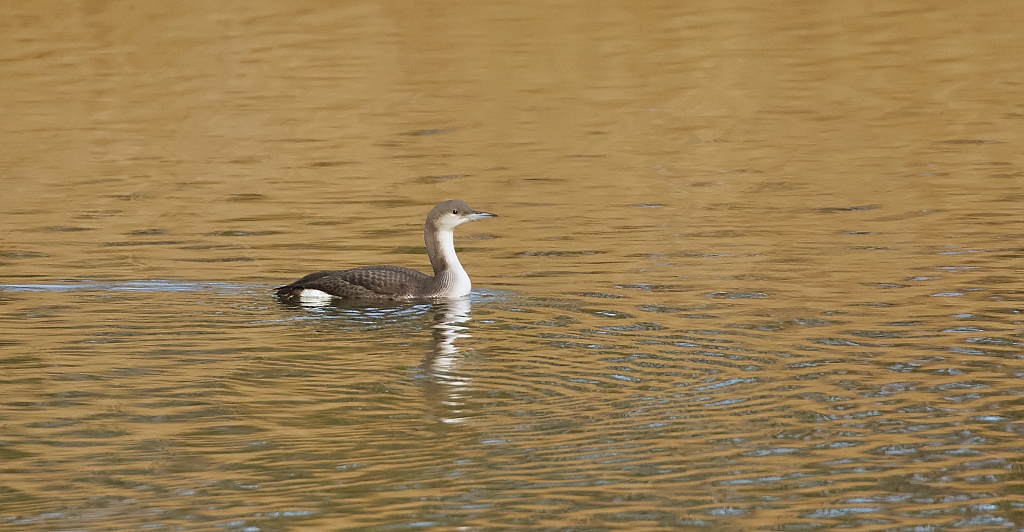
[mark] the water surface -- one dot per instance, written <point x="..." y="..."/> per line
<point x="756" y="266"/>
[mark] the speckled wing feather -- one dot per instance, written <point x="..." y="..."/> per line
<point x="367" y="282"/>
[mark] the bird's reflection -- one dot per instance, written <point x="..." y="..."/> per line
<point x="443" y="386"/>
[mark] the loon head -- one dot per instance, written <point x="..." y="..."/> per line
<point x="448" y="215"/>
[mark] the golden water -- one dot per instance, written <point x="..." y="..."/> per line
<point x="757" y="266"/>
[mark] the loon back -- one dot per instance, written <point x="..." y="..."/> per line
<point x="367" y="282"/>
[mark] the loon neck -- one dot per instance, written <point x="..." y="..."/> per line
<point x="441" y="250"/>
<point x="450" y="279"/>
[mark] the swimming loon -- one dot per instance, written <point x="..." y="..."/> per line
<point x="396" y="282"/>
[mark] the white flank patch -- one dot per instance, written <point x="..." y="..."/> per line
<point x="315" y="298"/>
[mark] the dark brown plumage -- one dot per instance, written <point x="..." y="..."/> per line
<point x="367" y="282"/>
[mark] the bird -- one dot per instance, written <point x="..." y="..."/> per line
<point x="450" y="280"/>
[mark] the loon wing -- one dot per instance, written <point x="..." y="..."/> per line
<point x="367" y="282"/>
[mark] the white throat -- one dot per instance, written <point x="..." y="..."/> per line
<point x="453" y="280"/>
